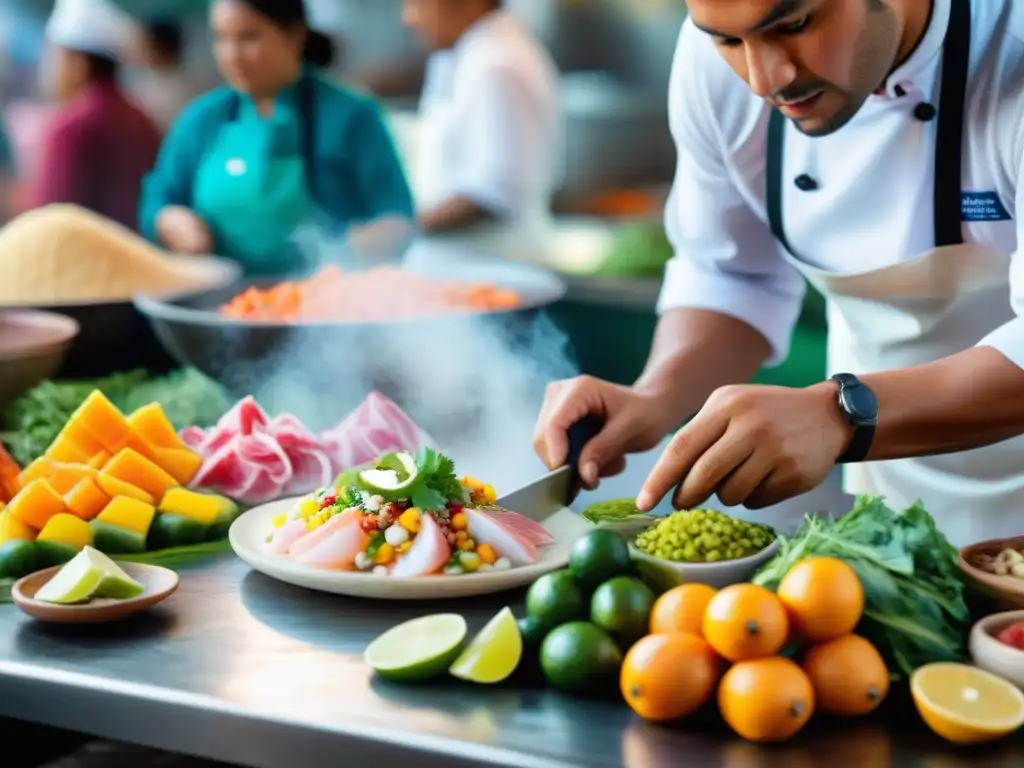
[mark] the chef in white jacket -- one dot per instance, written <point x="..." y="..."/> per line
<point x="489" y="151"/>
<point x="875" y="149"/>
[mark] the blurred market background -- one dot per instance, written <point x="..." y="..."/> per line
<point x="614" y="56"/>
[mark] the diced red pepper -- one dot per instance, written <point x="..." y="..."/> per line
<point x="328" y="500"/>
<point x="369" y="523"/>
<point x="1013" y="635"/>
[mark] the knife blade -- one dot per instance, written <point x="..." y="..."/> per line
<point x="557" y="489"/>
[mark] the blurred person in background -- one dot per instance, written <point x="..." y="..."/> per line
<point x="489" y="150"/>
<point x="99" y="145"/>
<point x="162" y="87"/>
<point x="249" y="164"/>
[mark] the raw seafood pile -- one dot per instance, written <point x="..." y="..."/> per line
<point x="254" y="458"/>
<point x="407" y="517"/>
<point x="366" y="296"/>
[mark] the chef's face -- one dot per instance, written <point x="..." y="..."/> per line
<point x="254" y="54"/>
<point x="817" y="60"/>
<point x="440" y="23"/>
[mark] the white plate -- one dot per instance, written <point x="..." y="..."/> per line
<point x="249" y="532"/>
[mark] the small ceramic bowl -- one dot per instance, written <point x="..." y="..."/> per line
<point x="993" y="656"/>
<point x="668" y="573"/>
<point x="1008" y="591"/>
<point x="158" y="584"/>
<point x="32" y="347"/>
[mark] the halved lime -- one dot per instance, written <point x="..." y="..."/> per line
<point x="494" y="654"/>
<point x="88" y="574"/>
<point x="394" y="473"/>
<point x="417" y="650"/>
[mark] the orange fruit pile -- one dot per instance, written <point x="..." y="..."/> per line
<point x="698" y="633"/>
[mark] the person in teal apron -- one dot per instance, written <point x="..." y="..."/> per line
<point x="277" y="149"/>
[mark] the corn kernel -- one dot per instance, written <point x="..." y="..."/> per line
<point x="459" y="521"/>
<point x="467" y="546"/>
<point x="384" y="554"/>
<point x="471" y="482"/>
<point x="280" y="519"/>
<point x="410" y="520"/>
<point x="402" y="549"/>
<point x="469" y="561"/>
<point x="308" y="507"/>
<point x="460" y="536"/>
<point x="487" y="554"/>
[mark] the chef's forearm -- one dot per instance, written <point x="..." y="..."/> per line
<point x="695" y="352"/>
<point x="453" y="214"/>
<point x="969" y="400"/>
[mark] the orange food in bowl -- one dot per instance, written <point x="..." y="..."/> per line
<point x="666" y="677"/>
<point x="767" y="699"/>
<point x="681" y="609"/>
<point x="745" y="621"/>
<point x="823" y="597"/>
<point x="848" y="675"/>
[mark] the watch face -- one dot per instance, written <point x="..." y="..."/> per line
<point x="860" y="404"/>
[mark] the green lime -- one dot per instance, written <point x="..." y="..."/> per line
<point x="88" y="574"/>
<point x="17" y="558"/>
<point x="533" y="633"/>
<point x="622" y="608"/>
<point x="556" y="598"/>
<point x="599" y="556"/>
<point x="580" y="658"/>
<point x="393" y="474"/>
<point x="417" y="650"/>
<point x="494" y="654"/>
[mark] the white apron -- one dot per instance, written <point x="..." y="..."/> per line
<point x="937" y="304"/>
<point x="522" y="239"/>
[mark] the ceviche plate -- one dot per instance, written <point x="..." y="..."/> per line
<point x="249" y="532"/>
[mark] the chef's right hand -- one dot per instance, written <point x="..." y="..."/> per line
<point x="182" y="231"/>
<point x="634" y="421"/>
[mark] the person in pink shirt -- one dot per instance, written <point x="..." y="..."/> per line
<point x="99" y="144"/>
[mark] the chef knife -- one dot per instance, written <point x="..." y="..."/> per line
<point x="558" y="489"/>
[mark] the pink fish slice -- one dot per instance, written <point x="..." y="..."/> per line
<point x="527" y="529"/>
<point x="485" y="528"/>
<point x="427" y="555"/>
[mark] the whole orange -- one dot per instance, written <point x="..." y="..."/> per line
<point x="745" y="621"/>
<point x="666" y="677"/>
<point x="766" y="699"/>
<point x="823" y="597"/>
<point x="848" y="675"/>
<point x="681" y="609"/>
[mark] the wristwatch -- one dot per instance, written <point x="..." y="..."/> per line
<point x="859" y="407"/>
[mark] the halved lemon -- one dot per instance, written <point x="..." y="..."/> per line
<point x="966" y="705"/>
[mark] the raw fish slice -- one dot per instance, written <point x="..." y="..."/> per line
<point x="337" y="551"/>
<point x="311" y="470"/>
<point x="292" y="434"/>
<point x="319" y="535"/>
<point x="377" y="426"/>
<point x="224" y="470"/>
<point x="263" y="450"/>
<point x="193" y="438"/>
<point x="527" y="529"/>
<point x="428" y="554"/>
<point x="285" y="536"/>
<point x="487" y="529"/>
<point x="244" y="419"/>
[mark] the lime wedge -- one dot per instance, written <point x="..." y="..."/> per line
<point x="88" y="574"/>
<point x="394" y="473"/>
<point x="418" y="649"/>
<point x="494" y="654"/>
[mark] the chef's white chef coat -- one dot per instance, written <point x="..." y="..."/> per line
<point x="98" y="27"/>
<point x="872" y="205"/>
<point x="493" y="101"/>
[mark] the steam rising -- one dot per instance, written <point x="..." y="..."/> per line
<point x="473" y="382"/>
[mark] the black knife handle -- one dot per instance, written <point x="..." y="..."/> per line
<point x="580" y="433"/>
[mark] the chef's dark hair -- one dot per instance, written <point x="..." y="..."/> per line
<point x="319" y="50"/>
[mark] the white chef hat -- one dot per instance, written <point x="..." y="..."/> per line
<point x="91" y="26"/>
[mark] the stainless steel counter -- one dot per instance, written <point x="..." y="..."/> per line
<point x="240" y="668"/>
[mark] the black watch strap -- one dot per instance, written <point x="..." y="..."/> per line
<point x="859" y="408"/>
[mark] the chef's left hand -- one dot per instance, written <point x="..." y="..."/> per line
<point x="751" y="445"/>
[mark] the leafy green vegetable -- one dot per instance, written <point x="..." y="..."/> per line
<point x="614" y="511"/>
<point x="34" y="420"/>
<point x="436" y="484"/>
<point x="914" y="611"/>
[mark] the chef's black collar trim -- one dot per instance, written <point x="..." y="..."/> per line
<point x="927" y="49"/>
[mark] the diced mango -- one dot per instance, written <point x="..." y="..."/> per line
<point x="104" y="423"/>
<point x="64" y="477"/>
<point x="37" y="470"/>
<point x="86" y="499"/>
<point x="10" y="472"/>
<point x="12" y="528"/>
<point x="204" y="508"/>
<point x="36" y="504"/>
<point x="67" y="451"/>
<point x="100" y="460"/>
<point x="180" y="463"/>
<point x="151" y="424"/>
<point x="130" y="514"/>
<point x="67" y="529"/>
<point x="76" y="432"/>
<point x="135" y="469"/>
<point x="114" y="488"/>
